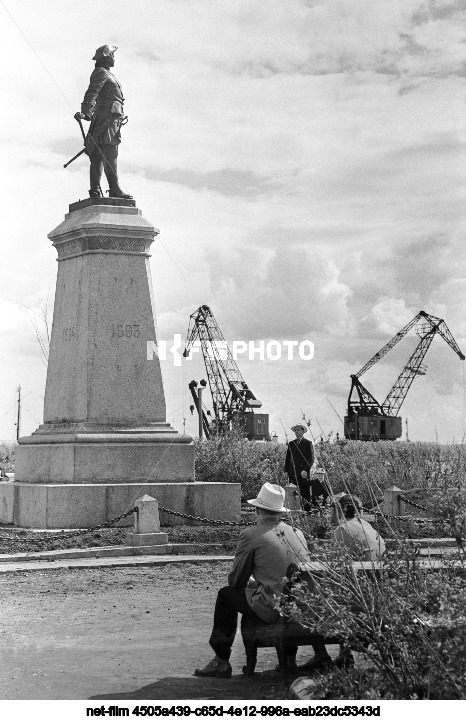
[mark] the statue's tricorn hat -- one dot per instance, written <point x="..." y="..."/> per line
<point x="104" y="51"/>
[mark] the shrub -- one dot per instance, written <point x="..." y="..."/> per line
<point x="7" y="456"/>
<point x="408" y="623"/>
<point x="352" y="466"/>
<point x="414" y="622"/>
<point x="367" y="468"/>
<point x="231" y="458"/>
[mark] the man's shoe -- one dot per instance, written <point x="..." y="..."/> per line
<point x="95" y="193"/>
<point x="118" y="193"/>
<point x="344" y="659"/>
<point x="317" y="663"/>
<point x="291" y="667"/>
<point x="290" y="664"/>
<point x="218" y="667"/>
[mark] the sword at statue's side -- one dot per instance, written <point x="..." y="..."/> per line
<point x="74" y="158"/>
<point x="77" y="117"/>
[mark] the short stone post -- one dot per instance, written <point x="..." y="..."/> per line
<point x="146" y="531"/>
<point x="292" y="498"/>
<point x="392" y="503"/>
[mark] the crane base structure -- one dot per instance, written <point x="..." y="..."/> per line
<point x="105" y="440"/>
<point x="372" y="428"/>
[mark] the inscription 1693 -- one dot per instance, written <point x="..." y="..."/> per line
<point x="126" y="330"/>
<point x="69" y="333"/>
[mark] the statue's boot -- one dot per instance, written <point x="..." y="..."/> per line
<point x="117" y="192"/>
<point x="96" y="168"/>
<point x="110" y="153"/>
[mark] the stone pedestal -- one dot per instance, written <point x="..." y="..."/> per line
<point x="105" y="438"/>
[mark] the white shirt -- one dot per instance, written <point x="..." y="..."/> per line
<point x="358" y="536"/>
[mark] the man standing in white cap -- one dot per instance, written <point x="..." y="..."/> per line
<point x="264" y="551"/>
<point x="299" y="461"/>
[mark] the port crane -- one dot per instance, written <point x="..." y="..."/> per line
<point x="366" y="418"/>
<point x="232" y="399"/>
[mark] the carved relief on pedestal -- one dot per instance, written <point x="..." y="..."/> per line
<point x="80" y="246"/>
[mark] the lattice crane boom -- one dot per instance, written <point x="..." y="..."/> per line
<point x="391" y="343"/>
<point x="365" y="406"/>
<point x="444" y="331"/>
<point x="230" y="394"/>
<point x="413" y="367"/>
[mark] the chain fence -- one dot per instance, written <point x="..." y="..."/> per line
<point x="315" y="512"/>
<point x="42" y="538"/>
<point x="411" y="503"/>
<point x="407" y="519"/>
<point x="376" y="505"/>
<point x="373" y="509"/>
<point x="33" y="537"/>
<point x="207" y="520"/>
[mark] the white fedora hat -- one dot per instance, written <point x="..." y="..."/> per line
<point x="299" y="425"/>
<point x="271" y="497"/>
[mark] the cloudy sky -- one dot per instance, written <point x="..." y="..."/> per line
<point x="304" y="161"/>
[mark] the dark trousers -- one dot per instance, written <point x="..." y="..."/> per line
<point x="311" y="490"/>
<point x="230" y="602"/>
<point x="304" y="486"/>
<point x="319" y="492"/>
<point x="104" y="157"/>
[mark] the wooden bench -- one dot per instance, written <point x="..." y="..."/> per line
<point x="287" y="634"/>
<point x="283" y="635"/>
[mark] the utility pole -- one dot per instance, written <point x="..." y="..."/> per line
<point x="407" y="434"/>
<point x="18" y="416"/>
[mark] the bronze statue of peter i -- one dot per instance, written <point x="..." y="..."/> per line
<point x="103" y="106"/>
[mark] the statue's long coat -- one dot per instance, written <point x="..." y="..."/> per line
<point x="103" y="101"/>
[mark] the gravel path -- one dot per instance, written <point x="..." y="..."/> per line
<point x="120" y="633"/>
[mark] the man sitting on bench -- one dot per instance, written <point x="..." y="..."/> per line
<point x="264" y="552"/>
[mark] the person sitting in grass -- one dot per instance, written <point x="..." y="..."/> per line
<point x="353" y="532"/>
<point x="264" y="552"/>
<point x="362" y="541"/>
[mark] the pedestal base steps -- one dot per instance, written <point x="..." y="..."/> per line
<point x="84" y="505"/>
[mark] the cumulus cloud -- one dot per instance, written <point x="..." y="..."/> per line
<point x="387" y="318"/>
<point x="294" y="290"/>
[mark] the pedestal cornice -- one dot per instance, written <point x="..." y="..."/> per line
<point x="85" y="244"/>
<point x="103" y="228"/>
<point x="105" y="433"/>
